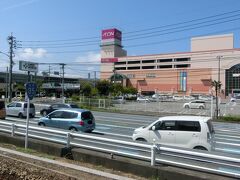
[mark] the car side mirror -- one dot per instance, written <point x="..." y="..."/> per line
<point x="49" y="117"/>
<point x="153" y="128"/>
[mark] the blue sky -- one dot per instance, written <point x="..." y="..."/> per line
<point x="50" y="21"/>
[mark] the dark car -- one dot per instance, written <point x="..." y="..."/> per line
<point x="54" y="107"/>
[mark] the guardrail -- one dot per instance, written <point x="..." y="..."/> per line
<point x="146" y="152"/>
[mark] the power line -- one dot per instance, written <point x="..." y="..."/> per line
<point x="185" y="22"/>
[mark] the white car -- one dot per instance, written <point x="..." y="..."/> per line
<point x="142" y="99"/>
<point x="189" y="98"/>
<point x="204" y="97"/>
<point x="177" y="98"/>
<point x="194" y="132"/>
<point x="195" y="105"/>
<point x="235" y="99"/>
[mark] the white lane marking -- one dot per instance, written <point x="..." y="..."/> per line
<point x="228" y="139"/>
<point x="123" y="127"/>
<point x="228" y="150"/>
<point x="229" y="170"/>
<point x="226" y="143"/>
<point x="102" y="127"/>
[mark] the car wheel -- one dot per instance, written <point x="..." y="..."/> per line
<point x="41" y="124"/>
<point x="73" y="129"/>
<point x="200" y="148"/>
<point x="201" y="107"/>
<point x="141" y="139"/>
<point x="44" y="113"/>
<point x="20" y="115"/>
<point x="187" y="107"/>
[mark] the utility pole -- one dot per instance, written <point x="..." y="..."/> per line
<point x="62" y="64"/>
<point x="12" y="44"/>
<point x="49" y="72"/>
<point x="95" y="79"/>
<point x="218" y="86"/>
<point x="6" y="84"/>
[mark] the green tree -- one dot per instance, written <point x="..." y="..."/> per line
<point x="129" y="90"/>
<point x="103" y="87"/>
<point x="94" y="92"/>
<point x="86" y="89"/>
<point x="217" y="86"/>
<point x="116" y="89"/>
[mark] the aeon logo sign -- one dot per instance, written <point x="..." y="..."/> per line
<point x="111" y="34"/>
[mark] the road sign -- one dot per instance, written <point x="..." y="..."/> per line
<point x="31" y="89"/>
<point x="28" y="66"/>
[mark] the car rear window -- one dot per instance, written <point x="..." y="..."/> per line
<point x="31" y="105"/>
<point x="2" y="104"/>
<point x="87" y="115"/>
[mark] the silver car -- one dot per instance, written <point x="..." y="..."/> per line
<point x="20" y="109"/>
<point x="70" y="119"/>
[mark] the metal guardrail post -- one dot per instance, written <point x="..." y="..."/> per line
<point x="153" y="153"/>
<point x="13" y="129"/>
<point x="68" y="139"/>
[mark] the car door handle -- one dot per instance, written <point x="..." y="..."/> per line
<point x="195" y="135"/>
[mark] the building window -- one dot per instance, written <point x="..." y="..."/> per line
<point x="119" y="63"/>
<point x="165" y="60"/>
<point x="133" y="62"/>
<point x="164" y="66"/>
<point x="148" y="67"/>
<point x="148" y="61"/>
<point x="120" y="68"/>
<point x="182" y="65"/>
<point x="134" y="67"/>
<point x="151" y="75"/>
<point x="130" y="76"/>
<point x="182" y="59"/>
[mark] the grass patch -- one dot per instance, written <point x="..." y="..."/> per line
<point x="230" y="118"/>
<point x="27" y="151"/>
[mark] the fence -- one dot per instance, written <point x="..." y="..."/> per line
<point x="167" y="107"/>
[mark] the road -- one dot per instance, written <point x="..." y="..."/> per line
<point x="120" y="127"/>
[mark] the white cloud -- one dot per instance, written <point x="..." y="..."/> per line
<point x="89" y="57"/>
<point x="18" y="5"/>
<point x="30" y="54"/>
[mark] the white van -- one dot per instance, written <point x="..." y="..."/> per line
<point x="194" y="132"/>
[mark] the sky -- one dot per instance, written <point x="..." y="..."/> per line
<point x="69" y="31"/>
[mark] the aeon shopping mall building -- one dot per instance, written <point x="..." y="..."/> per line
<point x="210" y="58"/>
